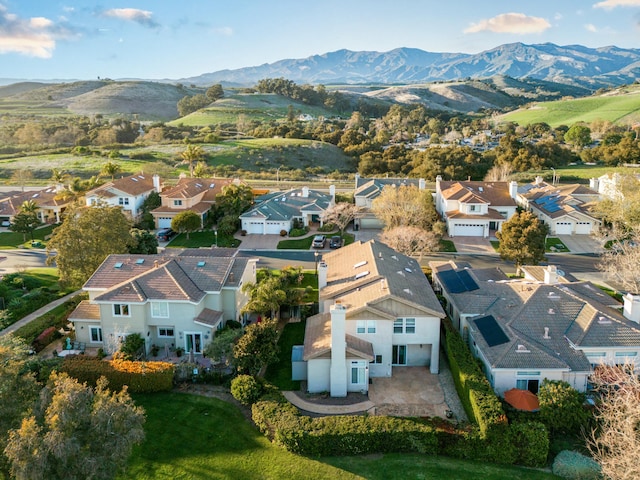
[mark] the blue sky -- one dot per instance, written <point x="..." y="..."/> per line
<point x="155" y="39"/>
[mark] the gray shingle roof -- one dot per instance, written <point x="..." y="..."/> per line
<point x="287" y="205"/>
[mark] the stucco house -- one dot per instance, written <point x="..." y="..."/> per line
<point x="50" y="205"/>
<point x="377" y="312"/>
<point x="368" y="189"/>
<point x="128" y="193"/>
<point x="609" y="184"/>
<point x="566" y="209"/>
<point x="179" y="298"/>
<point x="475" y="209"/>
<point x="545" y="326"/>
<point x="276" y="211"/>
<point x="195" y="194"/>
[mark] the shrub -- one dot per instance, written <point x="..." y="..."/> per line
<point x="575" y="466"/>
<point x="132" y="346"/>
<point x="298" y="232"/>
<point x="561" y="407"/>
<point x="246" y="389"/>
<point x="283" y="233"/>
<point x="45" y="338"/>
<point x="233" y="324"/>
<point x="327" y="227"/>
<point x="531" y="443"/>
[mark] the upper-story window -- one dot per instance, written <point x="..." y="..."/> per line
<point x="121" y="310"/>
<point x="366" y="326"/>
<point x="177" y="203"/>
<point x="159" y="309"/>
<point x="404" y="325"/>
<point x="123" y="201"/>
<point x="473" y="208"/>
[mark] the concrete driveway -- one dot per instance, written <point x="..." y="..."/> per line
<point x="410" y="392"/>
<point x="579" y="243"/>
<point x="259" y="242"/>
<point x="472" y="244"/>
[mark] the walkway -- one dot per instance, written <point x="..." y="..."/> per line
<point x="328" y="409"/>
<point x="38" y="313"/>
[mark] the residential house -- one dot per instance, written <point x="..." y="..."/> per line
<point x="608" y="185"/>
<point x="129" y="193"/>
<point x="195" y="194"/>
<point x="277" y="211"/>
<point x="50" y="205"/>
<point x="564" y="208"/>
<point x="545" y="326"/>
<point x="179" y="298"/>
<point x="368" y="189"/>
<point x="377" y="312"/>
<point x="475" y="209"/>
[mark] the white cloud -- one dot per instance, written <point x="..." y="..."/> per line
<point x="611" y="4"/>
<point x="225" y="31"/>
<point x="142" y="17"/>
<point x="591" y="28"/>
<point x="510" y="23"/>
<point x="33" y="37"/>
<point x="557" y="16"/>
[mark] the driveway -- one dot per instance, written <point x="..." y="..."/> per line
<point x="410" y="392"/>
<point x="472" y="245"/>
<point x="579" y="243"/>
<point x="259" y="242"/>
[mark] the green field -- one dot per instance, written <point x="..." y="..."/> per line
<point x="623" y="108"/>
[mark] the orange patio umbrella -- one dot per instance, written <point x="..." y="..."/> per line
<point x="522" y="399"/>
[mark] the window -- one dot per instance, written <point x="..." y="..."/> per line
<point x="404" y="325"/>
<point x="95" y="334"/>
<point x="121" y="310"/>
<point x="177" y="203"/>
<point x="530" y="384"/>
<point x="123" y="201"/>
<point x="377" y="359"/>
<point x="626" y="354"/>
<point x="165" y="332"/>
<point x="472" y="208"/>
<point x="357" y="376"/>
<point x="160" y="310"/>
<point x="366" y="326"/>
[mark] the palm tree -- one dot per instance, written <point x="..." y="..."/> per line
<point x="58" y="177"/>
<point x="29" y="206"/>
<point x="192" y="155"/>
<point x="110" y="168"/>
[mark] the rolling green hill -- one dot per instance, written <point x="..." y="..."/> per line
<point x="620" y="106"/>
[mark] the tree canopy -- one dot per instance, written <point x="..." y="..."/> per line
<point x="186" y="222"/>
<point x="578" y="135"/>
<point x="403" y="206"/>
<point x="341" y="215"/>
<point x="258" y="347"/>
<point x="522" y="239"/>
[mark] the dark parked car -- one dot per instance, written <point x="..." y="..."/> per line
<point x="335" y="242"/>
<point x="165" y="234"/>
<point x="318" y="241"/>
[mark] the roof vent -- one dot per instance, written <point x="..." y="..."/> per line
<point x="602" y="320"/>
<point x="546" y="335"/>
<point x="406" y="290"/>
<point x="134" y="179"/>
<point x="394" y="257"/>
<point x="551" y="311"/>
<point x="522" y="349"/>
<point x="407" y="269"/>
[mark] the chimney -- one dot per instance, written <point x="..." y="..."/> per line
<point x="338" y="370"/>
<point x="538" y="180"/>
<point x="305" y="192"/>
<point x="156" y="183"/>
<point x="551" y="275"/>
<point x="546" y="335"/>
<point x="438" y="180"/>
<point x="357" y="180"/>
<point x="513" y="189"/>
<point x="422" y="184"/>
<point x="155" y="264"/>
<point x="593" y="184"/>
<point x="332" y="192"/>
<point x="631" y="308"/>
<point x="322" y="275"/>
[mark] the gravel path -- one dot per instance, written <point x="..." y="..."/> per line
<point x="449" y="389"/>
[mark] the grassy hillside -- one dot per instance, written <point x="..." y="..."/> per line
<point x="619" y="106"/>
<point x="259" y="106"/>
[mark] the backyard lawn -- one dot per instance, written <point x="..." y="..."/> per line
<point x="194" y="437"/>
<point x="280" y="373"/>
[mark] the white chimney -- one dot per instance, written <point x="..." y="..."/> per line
<point x="338" y="370"/>
<point x="305" y="192"/>
<point x="631" y="308"/>
<point x="538" y="180"/>
<point x="332" y="192"/>
<point x="322" y="275"/>
<point x="156" y="183"/>
<point x="593" y="184"/>
<point x="422" y="184"/>
<point x="551" y="275"/>
<point x="357" y="179"/>
<point x="546" y="333"/>
<point x="513" y="189"/>
<point x="438" y="180"/>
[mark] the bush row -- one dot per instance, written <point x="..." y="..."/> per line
<point x="140" y="377"/>
<point x="58" y="317"/>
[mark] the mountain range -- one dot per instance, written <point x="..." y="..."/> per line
<point x="571" y="64"/>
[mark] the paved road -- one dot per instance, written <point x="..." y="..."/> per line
<point x="19" y="259"/>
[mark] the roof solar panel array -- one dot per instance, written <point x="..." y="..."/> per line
<point x="458" y="282"/>
<point x="491" y="331"/>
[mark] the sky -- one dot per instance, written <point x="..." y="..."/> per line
<point x="174" y="39"/>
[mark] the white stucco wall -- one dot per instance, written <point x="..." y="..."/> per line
<point x="318" y="375"/>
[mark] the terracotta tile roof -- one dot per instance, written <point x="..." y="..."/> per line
<point x="132" y="185"/>
<point x="559" y="200"/>
<point x="86" y="311"/>
<point x="317" y="340"/>
<point x="200" y="207"/>
<point x="10" y="202"/>
<point x="493" y="193"/>
<point x="490" y="215"/>
<point x="192" y="187"/>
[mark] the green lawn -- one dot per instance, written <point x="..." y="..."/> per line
<point x="296" y="243"/>
<point x="280" y="373"/>
<point x="193" y="437"/>
<point x="10" y="240"/>
<point x="495" y="244"/>
<point x="557" y="244"/>
<point x="447" y="246"/>
<point x="202" y="239"/>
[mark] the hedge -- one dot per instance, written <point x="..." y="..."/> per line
<point x="45" y="338"/>
<point x="140" y="377"/>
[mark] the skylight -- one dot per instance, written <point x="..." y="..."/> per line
<point x="407" y="269"/>
<point x="118" y="265"/>
<point x="360" y="264"/>
<point x="201" y="264"/>
<point x="134" y="179"/>
<point x="140" y="261"/>
<point x="362" y="274"/>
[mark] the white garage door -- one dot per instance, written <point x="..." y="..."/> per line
<point x="564" y="228"/>
<point x="164" y="222"/>
<point x="583" y="228"/>
<point x="468" y="230"/>
<point x="370" y="223"/>
<point x="275" y="227"/>
<point x="255" y="228"/>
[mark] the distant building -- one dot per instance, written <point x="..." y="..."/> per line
<point x="50" y="205"/>
<point x="128" y="193"/>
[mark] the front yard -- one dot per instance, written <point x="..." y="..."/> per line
<point x="10" y="240"/>
<point x="205" y="238"/>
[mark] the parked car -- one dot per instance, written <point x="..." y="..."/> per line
<point x="318" y="241"/>
<point x="6" y="223"/>
<point x="165" y="235"/>
<point x="335" y="242"/>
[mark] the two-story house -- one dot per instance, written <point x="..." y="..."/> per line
<point x="195" y="194"/>
<point x="128" y="193"/>
<point x="178" y="298"/>
<point x="368" y="189"/>
<point x="545" y="326"/>
<point x="475" y="209"/>
<point x="377" y="312"/>
<point x="50" y="204"/>
<point x="565" y="208"/>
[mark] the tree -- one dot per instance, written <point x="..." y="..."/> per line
<point x="110" y="169"/>
<point x="25" y="223"/>
<point x="257" y="348"/>
<point x="85" y="238"/>
<point x="578" y="135"/>
<point x="186" y="222"/>
<point x="233" y="200"/>
<point x="201" y="170"/>
<point x="341" y="214"/>
<point x="58" y="176"/>
<point x="614" y="443"/>
<point x="522" y="239"/>
<point x="411" y="240"/>
<point x="221" y="347"/>
<point x="265" y="297"/>
<point x="22" y="177"/>
<point x="561" y="407"/>
<point x="144" y="242"/>
<point x="405" y="206"/>
<point x="621" y="263"/>
<point x="621" y="208"/>
<point x="499" y="173"/>
<point x="76" y="432"/>
<point x="192" y="155"/>
<point x="214" y="92"/>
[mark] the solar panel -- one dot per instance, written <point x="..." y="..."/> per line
<point x="491" y="331"/>
<point x="467" y="281"/>
<point x="452" y="282"/>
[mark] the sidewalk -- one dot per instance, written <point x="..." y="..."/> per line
<point x="38" y="313"/>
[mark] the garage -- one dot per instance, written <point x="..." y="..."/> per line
<point x="274" y="228"/>
<point x="468" y="230"/>
<point x="583" y="228"/>
<point x="255" y="228"/>
<point x="164" y="222"/>
<point x="564" y="228"/>
<point x="371" y="223"/>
